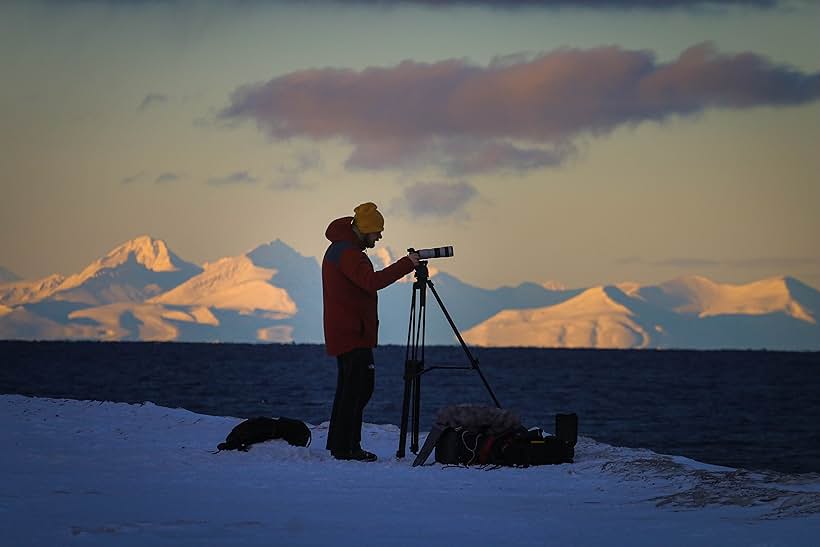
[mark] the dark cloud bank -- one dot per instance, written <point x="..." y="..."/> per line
<point x="520" y="112"/>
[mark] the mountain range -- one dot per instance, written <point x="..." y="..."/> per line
<point x="141" y="290"/>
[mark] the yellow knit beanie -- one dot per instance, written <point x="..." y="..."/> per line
<point x="367" y="219"/>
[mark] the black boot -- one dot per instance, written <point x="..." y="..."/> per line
<point x="357" y="454"/>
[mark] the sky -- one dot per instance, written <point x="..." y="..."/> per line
<point x="572" y="142"/>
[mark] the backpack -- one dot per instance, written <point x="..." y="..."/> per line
<point x="261" y="429"/>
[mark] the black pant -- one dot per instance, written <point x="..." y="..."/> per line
<point x="354" y="386"/>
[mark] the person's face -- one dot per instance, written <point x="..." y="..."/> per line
<point x="371" y="239"/>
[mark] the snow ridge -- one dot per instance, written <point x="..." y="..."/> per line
<point x="23" y="292"/>
<point x="231" y="283"/>
<point x="590" y="319"/>
<point x="704" y="297"/>
<point x="151" y="253"/>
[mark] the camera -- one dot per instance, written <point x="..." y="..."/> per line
<point x="435" y="252"/>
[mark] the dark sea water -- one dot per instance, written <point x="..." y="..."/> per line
<point x="750" y="409"/>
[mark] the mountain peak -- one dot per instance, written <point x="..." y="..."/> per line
<point x="553" y="285"/>
<point x="151" y="253"/>
<point x="691" y="280"/>
<point x="232" y="283"/>
<point x="274" y="245"/>
<point x="593" y="318"/>
<point x="274" y="254"/>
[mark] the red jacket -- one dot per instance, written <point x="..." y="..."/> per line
<point x="349" y="287"/>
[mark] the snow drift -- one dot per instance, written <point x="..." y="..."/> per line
<point x="99" y="473"/>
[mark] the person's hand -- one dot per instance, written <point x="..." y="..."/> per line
<point x="414" y="257"/>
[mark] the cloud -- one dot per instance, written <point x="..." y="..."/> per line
<point x="165" y="178"/>
<point x="288" y="176"/>
<point x="519" y="112"/>
<point x="436" y="199"/>
<point x="131" y="179"/>
<point x="285" y="183"/>
<point x="465" y="158"/>
<point x="152" y="99"/>
<point x="237" y="178"/>
<point x="381" y="257"/>
<point x="458" y="157"/>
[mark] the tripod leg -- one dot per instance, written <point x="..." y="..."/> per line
<point x="414" y="441"/>
<point x="419" y="366"/>
<point x="405" y="408"/>
<point x="473" y="360"/>
<point x="409" y="358"/>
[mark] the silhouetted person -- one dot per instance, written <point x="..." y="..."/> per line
<point x="349" y="286"/>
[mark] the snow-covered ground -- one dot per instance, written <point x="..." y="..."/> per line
<point x="99" y="473"/>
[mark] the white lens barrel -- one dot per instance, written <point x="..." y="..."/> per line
<point x="436" y="252"/>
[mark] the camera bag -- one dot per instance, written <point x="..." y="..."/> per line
<point x="532" y="448"/>
<point x="517" y="447"/>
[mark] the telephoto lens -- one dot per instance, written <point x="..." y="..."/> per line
<point x="436" y="252"/>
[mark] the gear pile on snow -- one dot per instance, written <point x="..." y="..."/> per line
<point x="480" y="435"/>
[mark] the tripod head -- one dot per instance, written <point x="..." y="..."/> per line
<point x="422" y="273"/>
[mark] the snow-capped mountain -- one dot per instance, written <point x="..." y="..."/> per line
<point x="238" y="298"/>
<point x="233" y="283"/>
<point x="704" y="298"/>
<point x="53" y="307"/>
<point x="689" y="312"/>
<point x="591" y="319"/>
<point x="138" y="269"/>
<point x="142" y="291"/>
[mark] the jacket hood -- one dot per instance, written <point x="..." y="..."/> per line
<point x="341" y="229"/>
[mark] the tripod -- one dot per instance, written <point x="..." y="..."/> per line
<point x="414" y="358"/>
